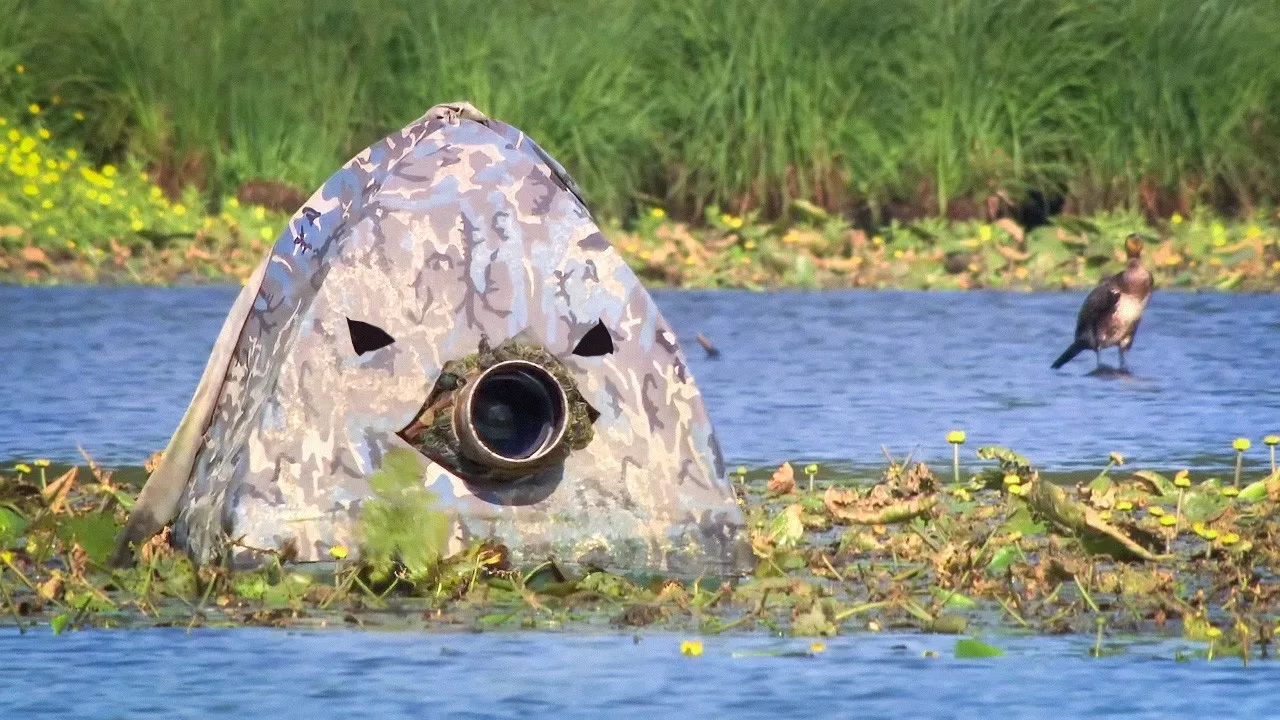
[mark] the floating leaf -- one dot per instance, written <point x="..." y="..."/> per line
<point x="59" y="623"/>
<point x="1002" y="559"/>
<point x="1204" y="505"/>
<point x="1254" y="491"/>
<point x="970" y="648"/>
<point x="95" y="533"/>
<point x="952" y="600"/>
<point x="1021" y="521"/>
<point x="12" y="524"/>
<point x="1156" y="483"/>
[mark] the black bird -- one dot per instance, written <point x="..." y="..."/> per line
<point x="1112" y="311"/>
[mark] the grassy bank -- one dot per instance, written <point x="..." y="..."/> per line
<point x="875" y="111"/>
<point x="986" y="545"/>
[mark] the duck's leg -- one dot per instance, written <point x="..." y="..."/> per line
<point x="1097" y="358"/>
<point x="1121" y="349"/>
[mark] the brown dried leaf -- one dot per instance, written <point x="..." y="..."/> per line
<point x="783" y="480"/>
<point x="55" y="493"/>
<point x="847" y="507"/>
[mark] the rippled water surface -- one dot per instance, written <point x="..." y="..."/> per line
<point x="802" y="376"/>
<point x="250" y="673"/>
<point x="828" y="376"/>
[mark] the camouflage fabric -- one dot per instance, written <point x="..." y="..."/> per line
<point x="454" y="229"/>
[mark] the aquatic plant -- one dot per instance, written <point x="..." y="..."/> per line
<point x="956" y="439"/>
<point x="1239" y="445"/>
<point x="869" y="553"/>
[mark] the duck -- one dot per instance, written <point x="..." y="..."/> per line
<point x="1112" y="311"/>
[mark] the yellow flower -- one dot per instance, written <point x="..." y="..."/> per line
<point x="1176" y="219"/>
<point x="1156" y="510"/>
<point x="1012" y="479"/>
<point x="260" y="213"/>
<point x="265" y="233"/>
<point x="1253" y="232"/>
<point x="109" y="170"/>
<point x="338" y="552"/>
<point x="79" y="116"/>
<point x="3" y="121"/>
<point x="817" y="647"/>
<point x="691" y="648"/>
<point x="20" y="68"/>
<point x="22" y="468"/>
<point x="956" y="437"/>
<point x="1229" y="539"/>
<point x="657" y="213"/>
<point x="1124" y="506"/>
<point x="43" y="133"/>
<point x="136" y="225"/>
<point x="34" y="108"/>
<point x="1231" y="491"/>
<point x="1240" y="444"/>
<point x="179" y="209"/>
<point x="984" y="233"/>
<point x="156" y="192"/>
<point x="72" y="154"/>
<point x="233" y="203"/>
<point x="14" y="135"/>
<point x="30" y="189"/>
<point x="1168" y="520"/>
<point x="42" y="462"/>
<point x="47" y="204"/>
<point x="750" y="244"/>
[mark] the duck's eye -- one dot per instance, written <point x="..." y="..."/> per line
<point x="596" y="342"/>
<point x="367" y="338"/>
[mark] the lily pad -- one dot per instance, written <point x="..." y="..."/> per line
<point x="12" y="524"/>
<point x="970" y="648"/>
<point x="95" y="533"/>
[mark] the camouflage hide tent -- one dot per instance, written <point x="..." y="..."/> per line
<point x="448" y="293"/>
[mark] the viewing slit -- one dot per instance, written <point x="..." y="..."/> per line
<point x="366" y="337"/>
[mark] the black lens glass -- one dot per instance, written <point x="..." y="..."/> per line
<point x="514" y="413"/>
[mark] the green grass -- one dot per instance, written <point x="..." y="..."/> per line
<point x="870" y="108"/>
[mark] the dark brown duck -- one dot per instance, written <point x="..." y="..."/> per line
<point x="1112" y="311"/>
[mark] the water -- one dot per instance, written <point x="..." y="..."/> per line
<point x="827" y="376"/>
<point x="803" y="376"/>
<point x="249" y="673"/>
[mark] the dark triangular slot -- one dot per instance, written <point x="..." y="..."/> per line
<point x="367" y="338"/>
<point x="596" y="342"/>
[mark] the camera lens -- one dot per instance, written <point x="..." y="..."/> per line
<point x="516" y="411"/>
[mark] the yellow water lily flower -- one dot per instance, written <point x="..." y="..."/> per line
<point x="691" y="648"/>
<point x="22" y="468"/>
